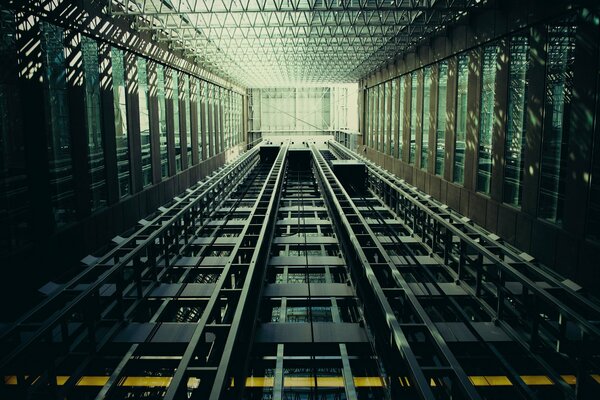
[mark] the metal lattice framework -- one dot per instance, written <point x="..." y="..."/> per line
<point x="274" y="42"/>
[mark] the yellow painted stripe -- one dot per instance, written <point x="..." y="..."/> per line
<point x="292" y="381"/>
<point x="368" y="381"/>
<point x="536" y="380"/>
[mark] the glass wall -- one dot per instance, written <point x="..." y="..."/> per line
<point x="57" y="115"/>
<point x="121" y="129"/>
<point x="394" y="116"/>
<point x="309" y="110"/>
<point x="559" y="92"/>
<point x="426" y="108"/>
<point x="486" y="118"/>
<point x="199" y="100"/>
<point x="413" y="118"/>
<point x="162" y="121"/>
<point x="93" y="122"/>
<point x="385" y="117"/>
<point x="401" y="92"/>
<point x="516" y="119"/>
<point x="461" y="119"/>
<point x="144" y="104"/>
<point x="188" y="118"/>
<point x="176" y="128"/>
<point x="440" y="131"/>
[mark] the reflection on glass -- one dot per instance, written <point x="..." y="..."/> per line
<point x="461" y="119"/>
<point x="381" y="115"/>
<point x="426" y="107"/>
<point x="144" y="121"/>
<point x="162" y="121"/>
<point x="211" y="118"/>
<point x="559" y="93"/>
<point x="199" y="99"/>
<point x="384" y="117"/>
<point x="176" y="131"/>
<point x="120" y="109"/>
<point x="413" y="118"/>
<point x="486" y="118"/>
<point x="516" y="119"/>
<point x="188" y="118"/>
<point x="57" y="113"/>
<point x="394" y="116"/>
<point x="93" y="119"/>
<point x="440" y="132"/>
<point x="401" y="82"/>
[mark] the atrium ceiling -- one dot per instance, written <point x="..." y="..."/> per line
<point x="260" y="43"/>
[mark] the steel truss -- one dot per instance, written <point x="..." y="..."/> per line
<point x="83" y="315"/>
<point x="535" y="307"/>
<point x="260" y="43"/>
<point x="385" y="283"/>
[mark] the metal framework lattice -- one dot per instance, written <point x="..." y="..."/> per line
<point x="273" y="42"/>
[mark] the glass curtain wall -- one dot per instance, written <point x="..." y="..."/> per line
<point x="162" y="121"/>
<point x="57" y="113"/>
<point x="121" y="128"/>
<point x="199" y="102"/>
<point x="93" y="122"/>
<point x="188" y="118"/>
<point x="461" y="119"/>
<point x="516" y="119"/>
<point x="394" y="116"/>
<point x="413" y="117"/>
<point x="144" y="104"/>
<point x="486" y="118"/>
<point x="559" y="94"/>
<point x="401" y="92"/>
<point x="176" y="125"/>
<point x="440" y="131"/>
<point x="426" y="108"/>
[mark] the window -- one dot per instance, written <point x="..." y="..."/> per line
<point x="93" y="122"/>
<point x="516" y="119"/>
<point x="144" y="122"/>
<point x="380" y="115"/>
<point x="176" y="129"/>
<point x="394" y="116"/>
<point x="555" y="138"/>
<point x="57" y="113"/>
<point x="121" y="132"/>
<point x="188" y="118"/>
<point x="461" y="118"/>
<point x="162" y="121"/>
<point x="401" y="82"/>
<point x="413" y="118"/>
<point x="199" y="100"/>
<point x="486" y="118"/>
<point x="426" y="109"/>
<point x="440" y="132"/>
<point x="383" y="147"/>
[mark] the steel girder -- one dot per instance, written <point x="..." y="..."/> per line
<point x="374" y="263"/>
<point x="485" y="267"/>
<point x="246" y="267"/>
<point x="56" y="325"/>
<point x="268" y="42"/>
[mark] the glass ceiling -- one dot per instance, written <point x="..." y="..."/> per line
<point x="257" y="43"/>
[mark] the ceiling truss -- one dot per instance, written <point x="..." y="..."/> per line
<point x="258" y="43"/>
